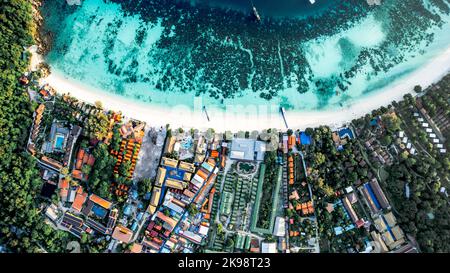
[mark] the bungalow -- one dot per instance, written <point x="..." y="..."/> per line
<point x="294" y="195"/>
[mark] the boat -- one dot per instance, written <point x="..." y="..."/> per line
<point x="255" y="12"/>
<point x="312" y="1"/>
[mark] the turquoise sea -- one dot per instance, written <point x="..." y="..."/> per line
<point x="300" y="56"/>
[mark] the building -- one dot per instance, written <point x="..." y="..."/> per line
<point x="80" y="198"/>
<point x="161" y="175"/>
<point x="136" y="248"/>
<point x="279" y="227"/>
<point x="267" y="247"/>
<point x="408" y="248"/>
<point x="191" y="236"/>
<point x="169" y="223"/>
<point x="100" y="201"/>
<point x="188" y="167"/>
<point x="176" y="184"/>
<point x="379" y="245"/>
<point x="122" y="234"/>
<point x="154" y="200"/>
<point x="351" y="212"/>
<point x="247" y="149"/>
<point x="168" y="162"/>
<point x="52" y="212"/>
<point x="384" y="203"/>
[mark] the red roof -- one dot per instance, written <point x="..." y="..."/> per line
<point x="63" y="184"/>
<point x="91" y="160"/>
<point x="80" y="154"/>
<point x="77" y="174"/>
<point x="79" y="199"/>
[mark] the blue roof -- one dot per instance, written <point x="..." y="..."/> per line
<point x="134" y="226"/>
<point x="305" y="139"/>
<point x="338" y="230"/>
<point x="127" y="210"/>
<point x="388" y="227"/>
<point x="139" y="216"/>
<point x="147" y="196"/>
<point x="372" y="196"/>
<point x="134" y="194"/>
<point x="345" y="132"/>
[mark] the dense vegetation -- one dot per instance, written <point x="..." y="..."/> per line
<point x="270" y="178"/>
<point x="22" y="228"/>
<point x="424" y="212"/>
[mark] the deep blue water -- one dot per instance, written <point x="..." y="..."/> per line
<point x="276" y="8"/>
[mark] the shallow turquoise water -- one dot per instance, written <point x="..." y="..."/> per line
<point x="169" y="54"/>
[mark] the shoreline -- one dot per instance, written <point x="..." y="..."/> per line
<point x="253" y="117"/>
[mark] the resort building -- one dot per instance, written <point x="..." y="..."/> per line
<point x="154" y="201"/>
<point x="380" y="246"/>
<point x="169" y="162"/>
<point x="185" y="166"/>
<point x="247" y="149"/>
<point x="160" y="176"/>
<point x="176" y="184"/>
<point x="100" y="201"/>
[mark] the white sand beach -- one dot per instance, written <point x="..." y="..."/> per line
<point x="253" y="117"/>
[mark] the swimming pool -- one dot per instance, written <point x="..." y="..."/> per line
<point x="59" y="142"/>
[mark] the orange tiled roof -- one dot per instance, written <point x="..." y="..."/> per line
<point x="77" y="174"/>
<point x="80" y="198"/>
<point x="80" y="154"/>
<point x="100" y="201"/>
<point x="63" y="184"/>
<point x="214" y="154"/>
